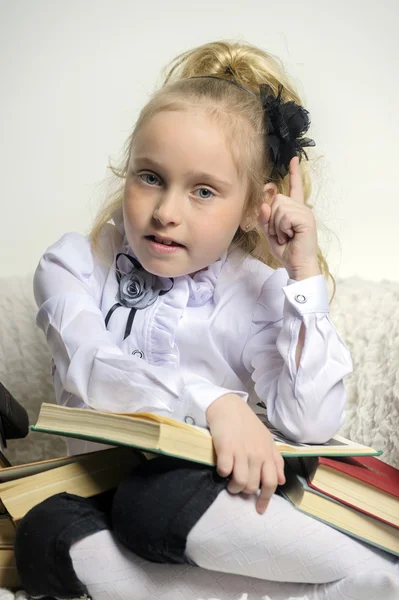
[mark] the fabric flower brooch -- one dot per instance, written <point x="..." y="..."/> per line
<point x="137" y="289"/>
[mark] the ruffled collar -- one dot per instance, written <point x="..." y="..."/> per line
<point x="202" y="284"/>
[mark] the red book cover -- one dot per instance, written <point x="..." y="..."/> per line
<point x="367" y="469"/>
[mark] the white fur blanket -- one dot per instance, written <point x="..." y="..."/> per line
<point x="366" y="314"/>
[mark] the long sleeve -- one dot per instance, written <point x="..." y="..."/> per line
<point x="306" y="404"/>
<point x="67" y="286"/>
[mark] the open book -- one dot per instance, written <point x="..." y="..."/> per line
<point x="161" y="435"/>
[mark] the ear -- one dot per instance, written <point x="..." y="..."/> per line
<point x="270" y="192"/>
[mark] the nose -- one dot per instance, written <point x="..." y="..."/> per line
<point x="168" y="210"/>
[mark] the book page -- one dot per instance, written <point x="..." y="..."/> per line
<point x="146" y="416"/>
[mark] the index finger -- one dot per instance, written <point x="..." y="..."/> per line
<point x="296" y="187"/>
<point x="269" y="484"/>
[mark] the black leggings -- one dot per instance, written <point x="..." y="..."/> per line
<point x="151" y="513"/>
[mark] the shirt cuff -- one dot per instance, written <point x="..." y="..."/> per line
<point x="198" y="397"/>
<point x="308" y="295"/>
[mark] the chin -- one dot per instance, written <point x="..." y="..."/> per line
<point x="163" y="269"/>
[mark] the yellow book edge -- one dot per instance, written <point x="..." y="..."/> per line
<point x="361" y="493"/>
<point x="90" y="475"/>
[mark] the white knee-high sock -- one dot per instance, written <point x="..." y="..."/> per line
<point x="112" y="572"/>
<point x="283" y="544"/>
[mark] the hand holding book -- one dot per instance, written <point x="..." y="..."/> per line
<point x="245" y="449"/>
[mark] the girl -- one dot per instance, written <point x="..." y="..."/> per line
<point x="201" y="284"/>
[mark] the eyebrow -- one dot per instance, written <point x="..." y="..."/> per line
<point x="201" y="175"/>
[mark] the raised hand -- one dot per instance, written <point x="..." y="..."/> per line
<point x="290" y="228"/>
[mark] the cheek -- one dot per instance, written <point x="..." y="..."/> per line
<point x="220" y="228"/>
<point x="228" y="218"/>
<point x="131" y="220"/>
<point x="132" y="207"/>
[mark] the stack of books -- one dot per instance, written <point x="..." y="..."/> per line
<point x="358" y="495"/>
<point x="341" y="483"/>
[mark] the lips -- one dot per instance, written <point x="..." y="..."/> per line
<point x="163" y="240"/>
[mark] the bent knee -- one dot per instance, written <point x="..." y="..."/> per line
<point x="62" y="516"/>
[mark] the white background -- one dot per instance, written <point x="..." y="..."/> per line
<point x="75" y="73"/>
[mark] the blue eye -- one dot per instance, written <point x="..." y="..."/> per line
<point x="205" y="196"/>
<point x="149" y="178"/>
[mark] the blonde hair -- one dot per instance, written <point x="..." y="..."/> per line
<point x="241" y="114"/>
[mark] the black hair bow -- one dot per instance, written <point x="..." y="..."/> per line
<point x="286" y="123"/>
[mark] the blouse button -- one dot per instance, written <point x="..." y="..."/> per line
<point x="189" y="420"/>
<point x="138" y="353"/>
<point x="300" y="298"/>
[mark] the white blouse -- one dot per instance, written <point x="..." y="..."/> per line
<point x="232" y="327"/>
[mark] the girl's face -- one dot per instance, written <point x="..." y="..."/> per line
<point x="182" y="189"/>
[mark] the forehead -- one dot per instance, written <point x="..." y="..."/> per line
<point x="187" y="138"/>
